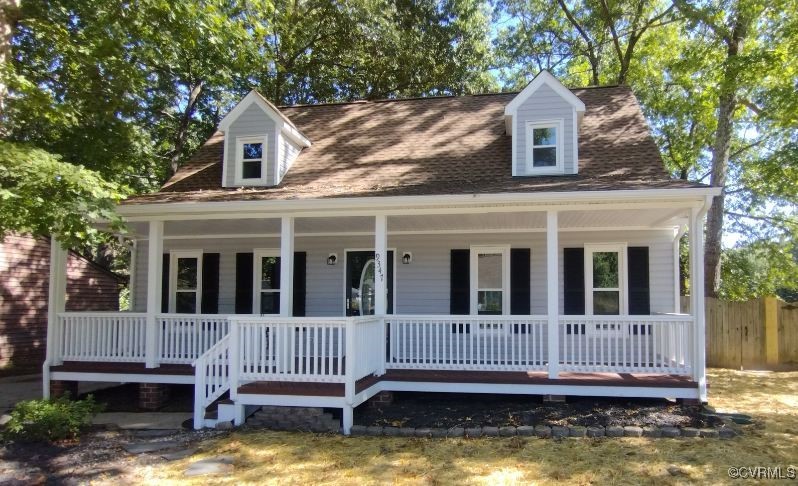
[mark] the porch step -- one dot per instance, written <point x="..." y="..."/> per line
<point x="314" y="419"/>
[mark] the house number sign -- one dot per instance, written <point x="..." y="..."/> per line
<point x="378" y="267"/>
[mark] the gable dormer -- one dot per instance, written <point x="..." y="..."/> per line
<point x="543" y="121"/>
<point x="260" y="143"/>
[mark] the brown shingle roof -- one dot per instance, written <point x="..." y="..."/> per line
<point x="429" y="146"/>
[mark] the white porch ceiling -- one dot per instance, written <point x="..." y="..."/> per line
<point x="449" y="223"/>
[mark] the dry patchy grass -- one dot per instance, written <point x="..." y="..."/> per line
<point x="301" y="458"/>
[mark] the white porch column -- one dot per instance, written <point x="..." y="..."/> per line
<point x="381" y="265"/>
<point x="133" y="271"/>
<point x="677" y="287"/>
<point x="697" y="301"/>
<point x="154" y="275"/>
<point x="553" y="291"/>
<point x="286" y="267"/>
<point x="56" y="302"/>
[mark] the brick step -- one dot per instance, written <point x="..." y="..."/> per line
<point x="294" y="418"/>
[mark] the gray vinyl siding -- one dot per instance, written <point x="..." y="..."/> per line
<point x="252" y="122"/>
<point x="286" y="156"/>
<point x="544" y="105"/>
<point x="422" y="287"/>
<point x="660" y="255"/>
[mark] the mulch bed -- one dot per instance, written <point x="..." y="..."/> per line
<point x="446" y="410"/>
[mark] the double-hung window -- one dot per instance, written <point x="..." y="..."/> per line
<point x="250" y="158"/>
<point x="266" y="294"/>
<point x="490" y="280"/>
<point x="185" y="281"/>
<point x="544" y="154"/>
<point x="605" y="269"/>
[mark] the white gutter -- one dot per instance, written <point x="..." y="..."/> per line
<point x="394" y="202"/>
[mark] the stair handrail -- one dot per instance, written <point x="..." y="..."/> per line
<point x="211" y="384"/>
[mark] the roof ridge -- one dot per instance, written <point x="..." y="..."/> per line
<point x="433" y="97"/>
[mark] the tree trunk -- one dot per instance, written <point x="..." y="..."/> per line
<point x="9" y="16"/>
<point x="182" y="130"/>
<point x="727" y="102"/>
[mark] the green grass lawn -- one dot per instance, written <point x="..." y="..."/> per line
<point x="302" y="458"/>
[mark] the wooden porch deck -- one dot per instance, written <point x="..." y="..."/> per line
<point x="471" y="377"/>
<point x="102" y="367"/>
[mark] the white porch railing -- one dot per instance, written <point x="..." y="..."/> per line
<point x="369" y="341"/>
<point x="185" y="337"/>
<point x="499" y="343"/>
<point x="211" y="378"/>
<point x="317" y="349"/>
<point x="290" y="349"/>
<point x="101" y="336"/>
<point x="627" y="344"/>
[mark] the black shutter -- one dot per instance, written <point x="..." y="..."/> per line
<point x="460" y="286"/>
<point x="639" y="289"/>
<point x="300" y="283"/>
<point x="574" y="281"/>
<point x="520" y="279"/>
<point x="210" y="283"/>
<point x="639" y="293"/>
<point x="165" y="284"/>
<point x="574" y="285"/>
<point x="244" y="269"/>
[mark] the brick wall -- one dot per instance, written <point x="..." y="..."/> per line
<point x="24" y="283"/>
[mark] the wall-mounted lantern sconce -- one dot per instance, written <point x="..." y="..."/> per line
<point x="407" y="257"/>
<point x="332" y="259"/>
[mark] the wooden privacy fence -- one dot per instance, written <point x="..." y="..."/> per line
<point x="760" y="333"/>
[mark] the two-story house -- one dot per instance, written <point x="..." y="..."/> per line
<point x="520" y="243"/>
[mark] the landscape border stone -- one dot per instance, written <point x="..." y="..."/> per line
<point x="547" y="431"/>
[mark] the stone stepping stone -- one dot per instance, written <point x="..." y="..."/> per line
<point x="154" y="434"/>
<point x="143" y="447"/>
<point x="212" y="465"/>
<point x="177" y="455"/>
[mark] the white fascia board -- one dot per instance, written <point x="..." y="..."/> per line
<point x="544" y="77"/>
<point x="699" y="194"/>
<point x="241" y="106"/>
<point x="294" y="135"/>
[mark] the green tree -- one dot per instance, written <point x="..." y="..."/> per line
<point x="759" y="269"/>
<point x="589" y="42"/>
<point x="42" y="195"/>
<point x="322" y="51"/>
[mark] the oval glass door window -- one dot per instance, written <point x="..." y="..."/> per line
<point x="366" y="289"/>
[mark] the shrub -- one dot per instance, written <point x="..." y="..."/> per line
<point x="50" y="420"/>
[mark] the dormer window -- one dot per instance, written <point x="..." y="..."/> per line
<point x="544" y="147"/>
<point x="250" y="167"/>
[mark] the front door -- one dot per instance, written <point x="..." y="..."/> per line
<point x="360" y="297"/>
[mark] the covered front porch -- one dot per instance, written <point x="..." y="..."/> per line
<point x="446" y="297"/>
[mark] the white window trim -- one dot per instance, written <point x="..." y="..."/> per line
<point x="173" y="257"/>
<point x="239" y="166"/>
<point x="559" y="168"/>
<point x="259" y="254"/>
<point x="474" y="276"/>
<point x="623" y="289"/>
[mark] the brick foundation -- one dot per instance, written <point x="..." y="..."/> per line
<point x="60" y="388"/>
<point x="153" y="396"/>
<point x="314" y="419"/>
<point x="381" y="398"/>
